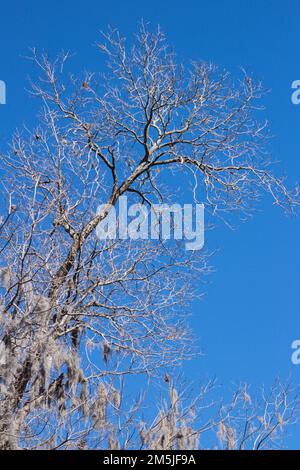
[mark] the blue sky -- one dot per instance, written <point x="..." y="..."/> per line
<point x="250" y="314"/>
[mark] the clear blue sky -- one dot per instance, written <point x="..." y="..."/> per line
<point x="250" y="315"/>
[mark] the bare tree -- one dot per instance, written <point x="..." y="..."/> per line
<point x="79" y="316"/>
